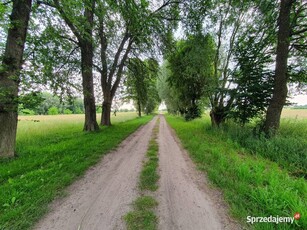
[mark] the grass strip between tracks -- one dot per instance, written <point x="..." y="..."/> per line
<point x="143" y="216"/>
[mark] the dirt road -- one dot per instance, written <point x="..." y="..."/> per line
<point x="104" y="195"/>
<point x="185" y="199"/>
<point x="100" y="199"/>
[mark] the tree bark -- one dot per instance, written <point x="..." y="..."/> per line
<point x="139" y="109"/>
<point x="280" y="91"/>
<point x="90" y="123"/>
<point x="217" y="117"/>
<point x="106" y="113"/>
<point x="9" y="75"/>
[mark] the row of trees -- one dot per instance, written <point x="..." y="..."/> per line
<point x="72" y="38"/>
<point x="46" y="103"/>
<point x="238" y="56"/>
<point x="242" y="65"/>
<point x="141" y="83"/>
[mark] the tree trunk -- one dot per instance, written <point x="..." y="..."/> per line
<point x="139" y="109"/>
<point x="88" y="87"/>
<point x="280" y="91"/>
<point x="218" y="117"/>
<point x="9" y="75"/>
<point x="106" y="113"/>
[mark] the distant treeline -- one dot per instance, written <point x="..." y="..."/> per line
<point x="297" y="107"/>
<point x="47" y="104"/>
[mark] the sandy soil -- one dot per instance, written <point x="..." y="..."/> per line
<point x="100" y="199"/>
<point x="105" y="193"/>
<point x="186" y="201"/>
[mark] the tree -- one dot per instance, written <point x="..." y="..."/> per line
<point x="9" y="75"/>
<point x="134" y="26"/>
<point x="280" y="91"/>
<point x="141" y="84"/>
<point x="166" y="93"/>
<point x="82" y="28"/>
<point x="253" y="76"/>
<point x="192" y="73"/>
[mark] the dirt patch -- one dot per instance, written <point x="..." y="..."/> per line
<point x="186" y="200"/>
<point x="105" y="193"/>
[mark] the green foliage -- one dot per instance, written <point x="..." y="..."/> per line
<point x="48" y="102"/>
<point x="167" y="94"/>
<point x="51" y="155"/>
<point x="141" y="84"/>
<point x="53" y="111"/>
<point x="253" y="78"/>
<point x="287" y="148"/>
<point x="26" y="112"/>
<point x="192" y="73"/>
<point x="67" y="111"/>
<point x="252" y="185"/>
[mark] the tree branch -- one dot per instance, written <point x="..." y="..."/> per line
<point x="67" y="20"/>
<point x="120" y="68"/>
<point x="117" y="55"/>
<point x="103" y="55"/>
<point x="45" y="3"/>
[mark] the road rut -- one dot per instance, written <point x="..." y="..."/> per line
<point x="100" y="199"/>
<point x="185" y="199"/>
<point x="105" y="193"/>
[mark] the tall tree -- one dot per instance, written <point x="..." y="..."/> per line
<point x="9" y="75"/>
<point x="280" y="91"/>
<point x="134" y="26"/>
<point x="192" y="67"/>
<point x="82" y="28"/>
<point x="141" y="84"/>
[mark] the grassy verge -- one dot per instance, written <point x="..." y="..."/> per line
<point x="47" y="163"/>
<point x="251" y="184"/>
<point x="143" y="216"/>
<point x="288" y="149"/>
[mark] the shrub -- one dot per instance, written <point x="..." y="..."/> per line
<point x="67" y="111"/>
<point x="53" y="110"/>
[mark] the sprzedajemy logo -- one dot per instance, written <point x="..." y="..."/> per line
<point x="272" y="219"/>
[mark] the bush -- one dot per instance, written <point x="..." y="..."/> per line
<point x="27" y="112"/>
<point x="53" y="110"/>
<point x="67" y="111"/>
<point x="78" y="111"/>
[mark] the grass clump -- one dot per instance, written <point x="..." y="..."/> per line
<point x="251" y="184"/>
<point x="149" y="175"/>
<point x="47" y="162"/>
<point x="142" y="217"/>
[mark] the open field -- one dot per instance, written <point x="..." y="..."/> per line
<point x="294" y="113"/>
<point x="251" y="184"/>
<point x="51" y="154"/>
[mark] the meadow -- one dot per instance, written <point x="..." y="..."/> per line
<point x="52" y="152"/>
<point x="257" y="176"/>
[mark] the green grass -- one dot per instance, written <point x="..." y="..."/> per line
<point x="143" y="216"/>
<point x="252" y="185"/>
<point x="149" y="175"/>
<point x="51" y="155"/>
<point x="288" y="148"/>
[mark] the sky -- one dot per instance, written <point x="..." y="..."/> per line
<point x="299" y="99"/>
